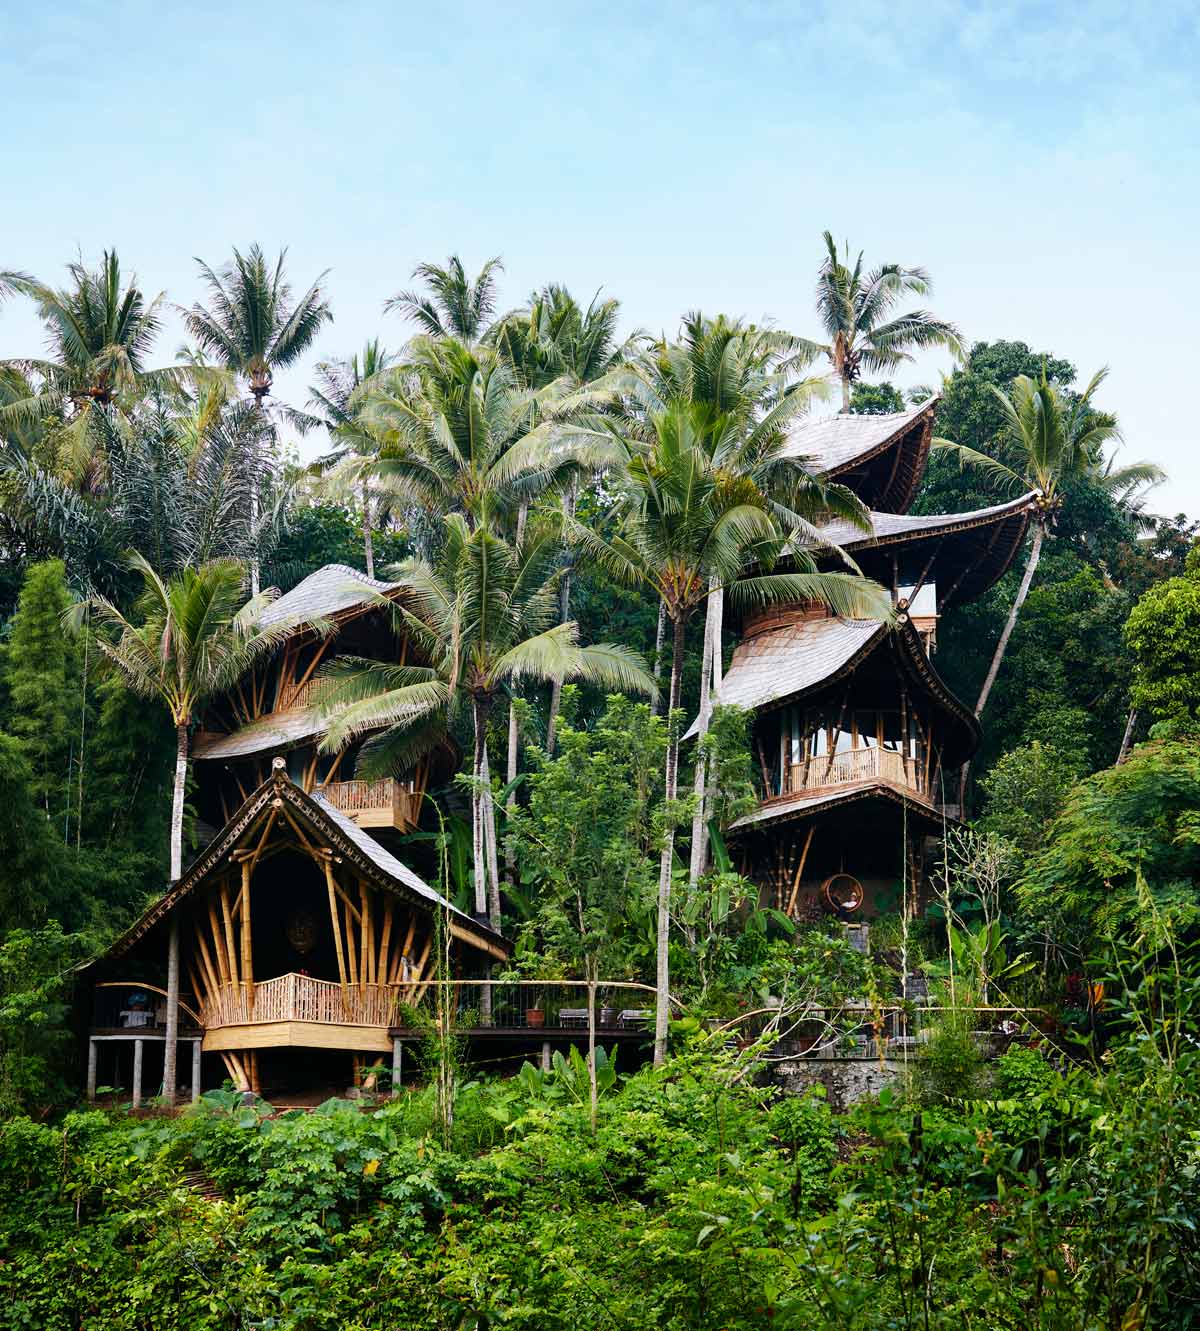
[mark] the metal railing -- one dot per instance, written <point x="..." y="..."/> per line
<point x="515" y="1005"/>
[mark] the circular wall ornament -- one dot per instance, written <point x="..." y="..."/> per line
<point x="843" y="893"/>
<point x="301" y="930"/>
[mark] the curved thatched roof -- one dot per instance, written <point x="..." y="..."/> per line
<point x="881" y="458"/>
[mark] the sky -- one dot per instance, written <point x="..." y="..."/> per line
<point x="1040" y="160"/>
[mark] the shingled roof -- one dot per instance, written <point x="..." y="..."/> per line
<point x="970" y="551"/>
<point x="778" y="664"/>
<point x="329" y="591"/>
<point x="269" y="734"/>
<point x="881" y="458"/>
<point x="796" y="808"/>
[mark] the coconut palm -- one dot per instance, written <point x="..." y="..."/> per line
<point x="191" y="638"/>
<point x="1054" y="439"/>
<point x="251" y="324"/>
<point x="253" y="327"/>
<point x="483" y="617"/>
<point x="336" y="402"/>
<point x="445" y="418"/>
<point x="100" y="330"/>
<point x="856" y="307"/>
<point x="687" y="528"/>
<point x="454" y="304"/>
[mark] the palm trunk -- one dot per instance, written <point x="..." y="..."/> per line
<point x="845" y="393"/>
<point x="489" y="835"/>
<point x="171" y="1036"/>
<point x="699" y="856"/>
<point x="181" y="761"/>
<point x="659" y="634"/>
<point x="564" y="606"/>
<point x="1035" y="554"/>
<point x="368" y="539"/>
<point x="477" y="844"/>
<point x="662" y="1011"/>
<point x="514" y="740"/>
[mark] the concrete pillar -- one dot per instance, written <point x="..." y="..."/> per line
<point x="195" y="1071"/>
<point x="545" y="1055"/>
<point x="170" y="1077"/>
<point x="93" y="1051"/>
<point x="137" y="1073"/>
<point x="397" y="1062"/>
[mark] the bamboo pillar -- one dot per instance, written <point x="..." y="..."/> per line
<point x="366" y="960"/>
<point x="337" y="930"/>
<point x="381" y="966"/>
<point x="195" y="1070"/>
<point x="93" y="1054"/>
<point x="247" y="941"/>
<point x="351" y="947"/>
<point x="230" y="950"/>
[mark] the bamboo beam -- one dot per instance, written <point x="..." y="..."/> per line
<point x="337" y="930"/>
<point x="366" y="965"/>
<point x="791" y="906"/>
<point x="381" y="966"/>
<point x="337" y="762"/>
<point x="247" y="939"/>
<point x="351" y="948"/>
<point x="320" y="652"/>
<point x="231" y="950"/>
<point x="206" y="963"/>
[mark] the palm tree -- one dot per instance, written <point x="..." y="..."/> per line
<point x="253" y="327"/>
<point x="483" y="617"/>
<point x="688" y="528"/>
<point x="445" y="419"/>
<point x="193" y="639"/>
<point x="455" y="306"/>
<point x="1055" y="440"/>
<point x="337" y="402"/>
<point x="856" y="311"/>
<point x="555" y="338"/>
<point x="99" y="332"/>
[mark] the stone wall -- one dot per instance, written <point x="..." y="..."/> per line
<point x="845" y="1079"/>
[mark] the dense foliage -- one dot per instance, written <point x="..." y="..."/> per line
<point x="561" y="505"/>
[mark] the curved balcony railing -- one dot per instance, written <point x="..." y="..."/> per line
<point x="852" y="766"/>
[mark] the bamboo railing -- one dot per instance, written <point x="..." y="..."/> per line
<point x="854" y="765"/>
<point x="386" y="801"/>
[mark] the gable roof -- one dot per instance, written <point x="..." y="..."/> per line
<point x="334" y="830"/>
<point x="851" y="448"/>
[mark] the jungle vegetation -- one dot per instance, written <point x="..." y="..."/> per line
<point x="604" y="493"/>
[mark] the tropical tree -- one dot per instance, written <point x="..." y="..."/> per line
<point x="445" y="418"/>
<point x="189" y="639"/>
<point x="1054" y="440"/>
<point x="453" y="305"/>
<point x="483" y="618"/>
<point x="251" y="324"/>
<point x="856" y="310"/>
<point x="686" y="529"/>
<point x="99" y="333"/>
<point x="253" y="327"/>
<point x="555" y="339"/>
<point x="336" y="402"/>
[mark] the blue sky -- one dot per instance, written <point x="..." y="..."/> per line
<point x="1039" y="160"/>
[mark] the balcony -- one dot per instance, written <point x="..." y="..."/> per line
<point x="852" y="767"/>
<point x="383" y="803"/>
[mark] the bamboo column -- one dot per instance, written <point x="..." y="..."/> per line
<point x="337" y="930"/>
<point x="247" y="941"/>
